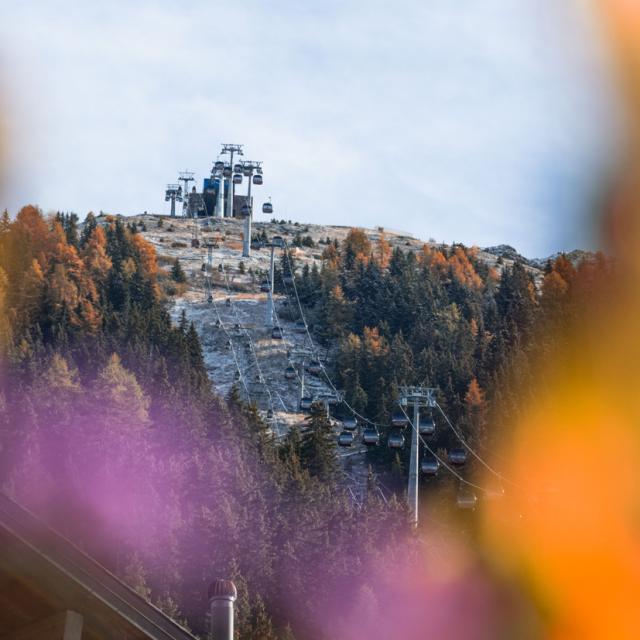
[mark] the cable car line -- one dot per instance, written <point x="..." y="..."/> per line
<point x="368" y="421"/>
<point x="334" y="388"/>
<point x="314" y="348"/>
<point x="209" y="290"/>
<point x="252" y="348"/>
<point x="471" y="450"/>
<point x="441" y="461"/>
<point x="251" y="345"/>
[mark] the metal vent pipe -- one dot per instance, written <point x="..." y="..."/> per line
<point x="222" y="595"/>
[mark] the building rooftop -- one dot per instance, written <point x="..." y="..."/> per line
<point x="48" y="586"/>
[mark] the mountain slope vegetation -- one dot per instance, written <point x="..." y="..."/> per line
<point x="110" y="429"/>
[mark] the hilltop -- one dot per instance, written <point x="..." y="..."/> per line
<point x="180" y="230"/>
<point x="172" y="240"/>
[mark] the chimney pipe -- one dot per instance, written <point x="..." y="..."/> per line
<point x="222" y="595"/>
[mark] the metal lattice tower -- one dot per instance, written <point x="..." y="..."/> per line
<point x="231" y="149"/>
<point x="418" y="397"/>
<point x="276" y="242"/>
<point x="186" y="177"/>
<point x="303" y="355"/>
<point x="248" y="169"/>
<point x="173" y="194"/>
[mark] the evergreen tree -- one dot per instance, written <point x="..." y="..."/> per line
<point x="5" y="222"/>
<point x="88" y="228"/>
<point x="318" y="449"/>
<point x="70" y="226"/>
<point x="177" y="272"/>
<point x="261" y="625"/>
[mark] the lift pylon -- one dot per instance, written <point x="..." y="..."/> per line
<point x="418" y="397"/>
<point x="231" y="149"/>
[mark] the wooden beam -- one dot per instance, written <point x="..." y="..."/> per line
<point x="66" y="625"/>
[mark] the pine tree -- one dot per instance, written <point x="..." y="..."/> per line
<point x="70" y="226"/>
<point x="290" y="454"/>
<point x="6" y="329"/>
<point x="197" y="371"/>
<point x="5" y="222"/>
<point x="123" y="402"/>
<point x="177" y="272"/>
<point x="261" y="625"/>
<point x="88" y="227"/>
<point x="287" y="633"/>
<point x="318" y="450"/>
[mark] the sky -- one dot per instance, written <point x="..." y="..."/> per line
<point x="476" y="121"/>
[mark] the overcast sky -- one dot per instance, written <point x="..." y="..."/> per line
<point x="480" y="121"/>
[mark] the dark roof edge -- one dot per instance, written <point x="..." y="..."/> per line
<point x="88" y="573"/>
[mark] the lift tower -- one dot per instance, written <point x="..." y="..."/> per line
<point x="186" y="177"/>
<point x="278" y="242"/>
<point x="418" y="397"/>
<point x="219" y="207"/>
<point x="173" y="194"/>
<point x="249" y="169"/>
<point x="231" y="149"/>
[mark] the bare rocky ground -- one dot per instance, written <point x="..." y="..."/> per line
<point x="229" y="234"/>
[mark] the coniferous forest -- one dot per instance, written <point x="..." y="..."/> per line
<point x="110" y="429"/>
<point x="441" y="318"/>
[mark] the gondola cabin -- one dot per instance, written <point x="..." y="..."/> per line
<point x="370" y="437"/>
<point x="426" y="426"/>
<point x="314" y="368"/>
<point x="306" y="403"/>
<point x="330" y="399"/>
<point x="466" y="499"/>
<point x="399" y="420"/>
<point x="395" y="441"/>
<point x="457" y="456"/>
<point x="350" y="423"/>
<point x="429" y="466"/>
